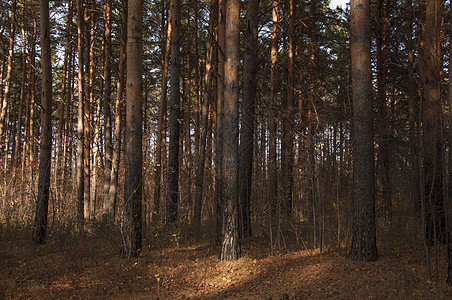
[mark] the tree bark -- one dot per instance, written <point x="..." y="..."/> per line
<point x="133" y="182"/>
<point x="45" y="154"/>
<point x="107" y="101"/>
<point x="230" y="246"/>
<point x="364" y="247"/>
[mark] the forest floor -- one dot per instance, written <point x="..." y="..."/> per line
<point x="70" y="267"/>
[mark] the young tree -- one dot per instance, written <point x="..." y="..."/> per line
<point x="364" y="247"/>
<point x="246" y="150"/>
<point x="230" y="246"/>
<point x="45" y="154"/>
<point x="174" y="117"/>
<point x="133" y="182"/>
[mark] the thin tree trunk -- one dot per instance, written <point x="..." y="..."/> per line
<point x="174" y="117"/>
<point x="79" y="177"/>
<point x="272" y="144"/>
<point x="133" y="155"/>
<point x="448" y="207"/>
<point x="107" y="100"/>
<point x="161" y="131"/>
<point x="288" y="120"/>
<point x="5" y="100"/>
<point x="45" y="154"/>
<point x="246" y="150"/>
<point x="16" y="157"/>
<point x="221" y="40"/>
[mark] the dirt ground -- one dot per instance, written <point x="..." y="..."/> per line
<point x="91" y="268"/>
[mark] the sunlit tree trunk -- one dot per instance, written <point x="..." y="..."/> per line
<point x="133" y="183"/>
<point x="107" y="101"/>
<point x="364" y="247"/>
<point x="246" y="150"/>
<point x="45" y="154"/>
<point x="230" y="245"/>
<point x="174" y="117"/>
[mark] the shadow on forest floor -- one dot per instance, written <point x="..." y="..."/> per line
<point x="91" y="268"/>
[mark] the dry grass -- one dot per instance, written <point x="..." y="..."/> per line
<point x="83" y="268"/>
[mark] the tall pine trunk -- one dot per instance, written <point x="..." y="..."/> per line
<point x="364" y="247"/>
<point x="230" y="245"/>
<point x="174" y="117"/>
<point x="45" y="154"/>
<point x="133" y="155"/>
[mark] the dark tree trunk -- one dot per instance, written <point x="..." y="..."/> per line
<point x="230" y="246"/>
<point x="448" y="207"/>
<point x="174" y="117"/>
<point x="364" y="247"/>
<point x="45" y="154"/>
<point x="221" y="36"/>
<point x="133" y="155"/>
<point x="288" y="121"/>
<point x="248" y="116"/>
<point x="273" y="115"/>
